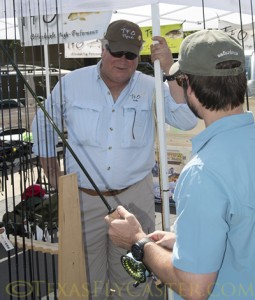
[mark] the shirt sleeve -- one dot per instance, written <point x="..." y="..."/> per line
<point x="44" y="135"/>
<point x="201" y="227"/>
<point x="178" y="115"/>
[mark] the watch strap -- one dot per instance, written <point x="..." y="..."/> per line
<point x="144" y="241"/>
<point x="169" y="77"/>
<point x="138" y="255"/>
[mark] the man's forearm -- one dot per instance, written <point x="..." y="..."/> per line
<point x="176" y="92"/>
<point x="189" y="286"/>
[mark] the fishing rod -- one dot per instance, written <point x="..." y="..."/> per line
<point x="60" y="134"/>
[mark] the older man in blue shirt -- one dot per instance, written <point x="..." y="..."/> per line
<point x="108" y="113"/>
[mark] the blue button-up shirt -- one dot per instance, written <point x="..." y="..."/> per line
<point x="215" y="200"/>
<point x="114" y="140"/>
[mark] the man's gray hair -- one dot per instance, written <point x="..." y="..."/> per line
<point x="104" y="42"/>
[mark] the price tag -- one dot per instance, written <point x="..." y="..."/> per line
<point x="5" y="241"/>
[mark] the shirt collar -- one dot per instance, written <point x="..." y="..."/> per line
<point x="222" y="125"/>
<point x="98" y="69"/>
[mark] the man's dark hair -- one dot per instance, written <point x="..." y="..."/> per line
<point x="220" y="92"/>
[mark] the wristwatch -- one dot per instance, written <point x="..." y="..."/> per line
<point x="137" y="248"/>
<point x="169" y="77"/>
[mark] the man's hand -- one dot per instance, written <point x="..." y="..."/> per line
<point x="126" y="230"/>
<point x="161" y="52"/>
<point x="163" y="239"/>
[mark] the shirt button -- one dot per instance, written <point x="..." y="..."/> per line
<point x="113" y="110"/>
<point x="110" y="148"/>
<point x="109" y="93"/>
<point x="109" y="168"/>
<point x="111" y="128"/>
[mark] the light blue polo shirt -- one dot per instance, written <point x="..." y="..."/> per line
<point x="215" y="198"/>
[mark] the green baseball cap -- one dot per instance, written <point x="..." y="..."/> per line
<point x="201" y="51"/>
<point x="123" y="35"/>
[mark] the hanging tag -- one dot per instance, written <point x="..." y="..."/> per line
<point x="39" y="233"/>
<point x="4" y="240"/>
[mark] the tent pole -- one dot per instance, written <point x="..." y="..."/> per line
<point x="160" y="112"/>
<point x="164" y="184"/>
<point x="47" y="74"/>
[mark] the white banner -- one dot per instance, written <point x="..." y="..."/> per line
<point x="66" y="28"/>
<point x="244" y="36"/>
<point x="83" y="49"/>
<point x="93" y="48"/>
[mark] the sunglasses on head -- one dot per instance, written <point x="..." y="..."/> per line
<point x="181" y="79"/>
<point x="119" y="54"/>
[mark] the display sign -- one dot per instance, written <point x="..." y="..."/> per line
<point x="63" y="28"/>
<point x="244" y="35"/>
<point x="172" y="33"/>
<point x="175" y="157"/>
<point x="90" y="49"/>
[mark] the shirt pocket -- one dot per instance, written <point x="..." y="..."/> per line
<point x="85" y="118"/>
<point x="136" y="125"/>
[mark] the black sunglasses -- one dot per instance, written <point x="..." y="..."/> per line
<point x="119" y="54"/>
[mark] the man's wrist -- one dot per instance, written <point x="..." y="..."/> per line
<point x="137" y="248"/>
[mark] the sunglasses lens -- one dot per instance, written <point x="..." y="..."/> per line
<point x="130" y="55"/>
<point x="119" y="54"/>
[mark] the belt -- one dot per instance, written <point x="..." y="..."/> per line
<point x="108" y="193"/>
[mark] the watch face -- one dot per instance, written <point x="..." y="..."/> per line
<point x="137" y="252"/>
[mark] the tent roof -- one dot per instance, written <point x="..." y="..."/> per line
<point x="32" y="7"/>
<point x="188" y="12"/>
<point x="192" y="17"/>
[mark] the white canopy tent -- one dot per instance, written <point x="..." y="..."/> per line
<point x="191" y="17"/>
<point x="194" y="14"/>
<point x="35" y="7"/>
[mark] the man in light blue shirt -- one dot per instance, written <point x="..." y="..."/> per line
<point x="211" y="253"/>
<point x="108" y="113"/>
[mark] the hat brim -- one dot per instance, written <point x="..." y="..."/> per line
<point x="120" y="46"/>
<point x="175" y="69"/>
